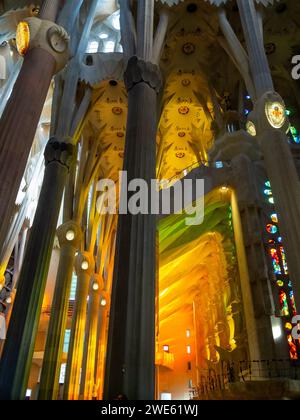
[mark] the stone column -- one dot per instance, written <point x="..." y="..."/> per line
<point x="255" y="44"/>
<point x="69" y="236"/>
<point x="101" y="344"/>
<point x="21" y="116"/>
<point x="130" y="364"/>
<point x="84" y="266"/>
<point x="90" y="345"/>
<point x="247" y="207"/>
<point x="19" y="346"/>
<point x="49" y="9"/>
<point x="279" y="161"/>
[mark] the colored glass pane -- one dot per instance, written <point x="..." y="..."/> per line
<point x="268" y="192"/>
<point x="272" y="229"/>
<point x="284" y="307"/>
<point x="274" y="218"/>
<point x="276" y="262"/>
<point x="293" y="348"/>
<point x="284" y="262"/>
<point x="280" y="283"/>
<point x="293" y="304"/>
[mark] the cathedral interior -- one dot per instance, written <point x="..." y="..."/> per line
<point x="103" y="305"/>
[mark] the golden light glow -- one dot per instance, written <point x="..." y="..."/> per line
<point x="103" y="302"/>
<point x="70" y="236"/>
<point x="23" y="38"/>
<point x="85" y="265"/>
<point x="95" y="286"/>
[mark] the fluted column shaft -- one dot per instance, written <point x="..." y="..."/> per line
<point x="89" y="357"/>
<point x="279" y="161"/>
<point x="49" y="382"/>
<point x="130" y="364"/>
<point x="75" y="353"/>
<point x="49" y="9"/>
<point x="20" y="119"/>
<point x="18" y="126"/>
<point x="256" y="291"/>
<point x="254" y="38"/>
<point x="19" y="346"/>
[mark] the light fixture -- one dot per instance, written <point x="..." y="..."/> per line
<point x="251" y="129"/>
<point x="95" y="286"/>
<point x="166" y="349"/>
<point x="8" y="300"/>
<point x="23" y="38"/>
<point x="224" y="189"/>
<point x="103" y="36"/>
<point x="70" y="235"/>
<point x="84" y="265"/>
<point x="276" y="114"/>
<point x="103" y="302"/>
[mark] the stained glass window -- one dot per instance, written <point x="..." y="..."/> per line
<point x="293" y="304"/>
<point x="293" y="348"/>
<point x="276" y="263"/>
<point x="283" y="284"/>
<point x="284" y="262"/>
<point x="272" y="229"/>
<point x="284" y="307"/>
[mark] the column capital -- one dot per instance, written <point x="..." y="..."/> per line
<point x="140" y="71"/>
<point x="60" y="152"/>
<point x="69" y="233"/>
<point x="34" y="32"/>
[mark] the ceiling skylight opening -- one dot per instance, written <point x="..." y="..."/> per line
<point x="103" y="35"/>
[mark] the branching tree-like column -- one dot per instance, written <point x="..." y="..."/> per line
<point x="18" y="351"/>
<point x="19" y="346"/>
<point x="22" y="113"/>
<point x="89" y="354"/>
<point x="271" y="126"/>
<point x="84" y="266"/>
<point x="130" y="367"/>
<point x="69" y="236"/>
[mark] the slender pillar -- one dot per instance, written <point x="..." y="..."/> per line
<point x="19" y="346"/>
<point x="49" y="9"/>
<point x="255" y="44"/>
<point x="90" y="345"/>
<point x="102" y="344"/>
<point x="69" y="236"/>
<point x="20" y="119"/>
<point x="130" y="367"/>
<point x="84" y="266"/>
<point x="279" y="161"/>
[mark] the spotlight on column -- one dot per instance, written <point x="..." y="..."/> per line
<point x="8" y="300"/>
<point x="95" y="286"/>
<point x="70" y="235"/>
<point x="84" y="265"/>
<point x="103" y="302"/>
